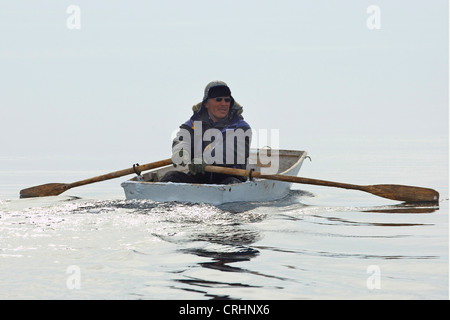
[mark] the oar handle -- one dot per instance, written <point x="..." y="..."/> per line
<point x="316" y="182"/>
<point x="389" y="191"/>
<point x="121" y="173"/>
<point x="280" y="177"/>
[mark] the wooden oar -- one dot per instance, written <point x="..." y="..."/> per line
<point x="54" y="189"/>
<point x="389" y="191"/>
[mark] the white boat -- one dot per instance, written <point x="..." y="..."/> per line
<point x="148" y="187"/>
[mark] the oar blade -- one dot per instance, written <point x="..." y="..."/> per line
<point x="45" y="190"/>
<point x="408" y="194"/>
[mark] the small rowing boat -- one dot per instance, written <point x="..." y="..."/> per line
<point x="148" y="187"/>
<point x="267" y="187"/>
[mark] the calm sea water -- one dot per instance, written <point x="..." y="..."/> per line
<point x="318" y="243"/>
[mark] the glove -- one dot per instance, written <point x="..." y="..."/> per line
<point x="197" y="166"/>
<point x="180" y="157"/>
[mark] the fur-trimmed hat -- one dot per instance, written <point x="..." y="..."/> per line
<point x="216" y="89"/>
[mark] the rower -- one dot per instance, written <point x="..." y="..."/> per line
<point x="215" y="134"/>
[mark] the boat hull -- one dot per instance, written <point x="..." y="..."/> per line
<point x="253" y="191"/>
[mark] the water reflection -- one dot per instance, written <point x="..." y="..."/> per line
<point x="223" y="239"/>
<point x="292" y="198"/>
<point x="336" y="220"/>
<point x="223" y="245"/>
<point x="405" y="208"/>
<point x="219" y="261"/>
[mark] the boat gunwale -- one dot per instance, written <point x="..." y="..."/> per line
<point x="300" y="154"/>
<point x="250" y="190"/>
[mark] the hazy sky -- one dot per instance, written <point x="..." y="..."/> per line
<point x="124" y="81"/>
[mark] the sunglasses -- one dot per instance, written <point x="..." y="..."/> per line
<point x="220" y="99"/>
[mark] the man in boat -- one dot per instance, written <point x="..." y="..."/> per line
<point x="216" y="134"/>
